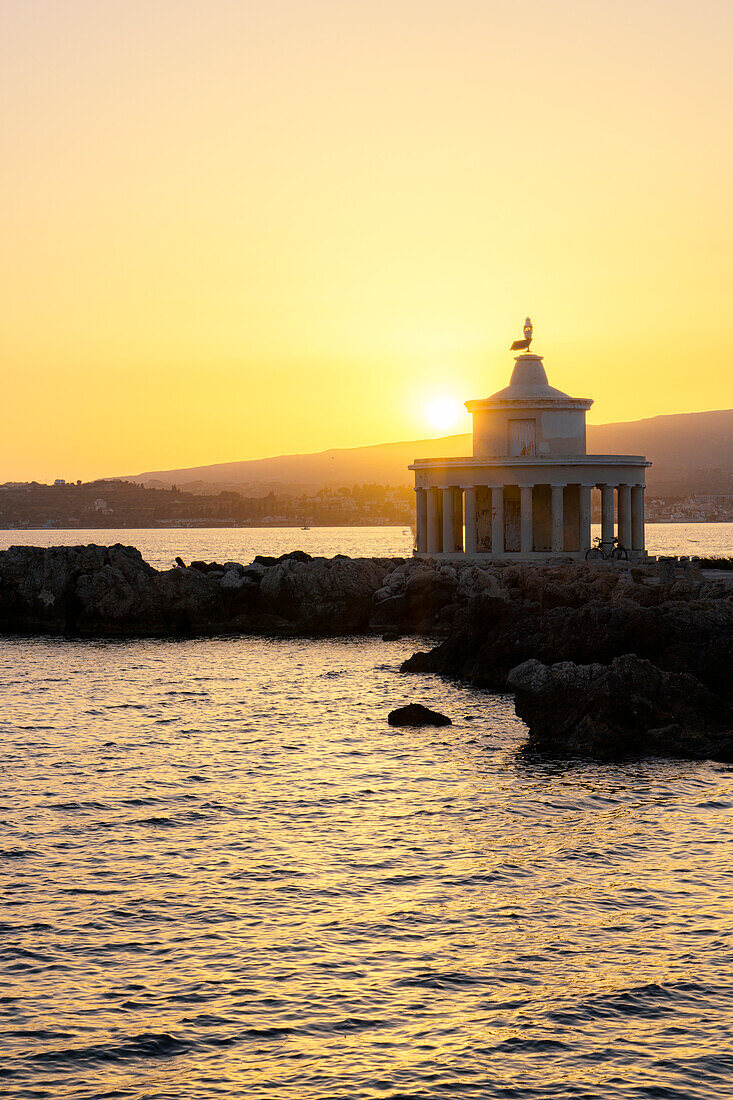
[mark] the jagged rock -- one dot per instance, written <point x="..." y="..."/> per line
<point x="490" y="636"/>
<point x="38" y="586"/>
<point x="476" y="581"/>
<point x="626" y="707"/>
<point x="666" y="571"/>
<point x="414" y="595"/>
<point x="232" y="580"/>
<point x="330" y="596"/>
<point x="179" y="601"/>
<point x="420" y="579"/>
<point x="235" y="566"/>
<point x="207" y="567"/>
<point x="98" y="590"/>
<point x="493" y="615"/>
<point x="254" y="572"/>
<point x="292" y="555"/>
<point x="299" y="555"/>
<point x="394" y="582"/>
<point x="415" y="714"/>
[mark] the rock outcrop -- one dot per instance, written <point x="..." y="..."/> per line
<point x="112" y="591"/>
<point x="324" y="595"/>
<point x="628" y="707"/>
<point x="492" y="616"/>
<point x="589" y="615"/>
<point x="603" y="661"/>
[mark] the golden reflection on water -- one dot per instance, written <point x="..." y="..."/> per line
<point x="227" y="876"/>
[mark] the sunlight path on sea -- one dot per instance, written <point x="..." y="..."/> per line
<point x="225" y="875"/>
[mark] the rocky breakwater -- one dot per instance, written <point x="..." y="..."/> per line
<point x="603" y="660"/>
<point x="98" y="591"/>
<point x="111" y="590"/>
<point x="601" y="657"/>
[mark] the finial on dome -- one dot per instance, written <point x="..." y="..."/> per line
<point x="523" y="345"/>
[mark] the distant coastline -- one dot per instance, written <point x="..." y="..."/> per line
<point x="109" y="504"/>
<point x="204" y="524"/>
<point x="212" y="525"/>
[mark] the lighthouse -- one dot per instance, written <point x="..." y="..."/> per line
<point x="525" y="492"/>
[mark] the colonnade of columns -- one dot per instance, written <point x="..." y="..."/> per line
<point x="444" y="514"/>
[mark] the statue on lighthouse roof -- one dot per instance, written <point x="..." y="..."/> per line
<point x="523" y="345"/>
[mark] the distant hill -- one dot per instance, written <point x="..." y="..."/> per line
<point x="690" y="451"/>
<point x="381" y="464"/>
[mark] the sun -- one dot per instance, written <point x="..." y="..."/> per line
<point x="443" y="412"/>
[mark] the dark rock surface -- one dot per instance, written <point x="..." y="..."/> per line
<point x="626" y="707"/>
<point x="677" y="624"/>
<point x="112" y="591"/>
<point x="415" y="714"/>
<point x="492" y="616"/>
<point x="588" y="615"/>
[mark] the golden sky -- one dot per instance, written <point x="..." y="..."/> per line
<point x="236" y="228"/>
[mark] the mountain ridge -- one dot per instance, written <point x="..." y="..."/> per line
<point x="680" y="446"/>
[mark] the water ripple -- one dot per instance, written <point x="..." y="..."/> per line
<point x="261" y="890"/>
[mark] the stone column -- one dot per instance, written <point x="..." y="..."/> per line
<point x="497" y="520"/>
<point x="607" y="516"/>
<point x="624" y="516"/>
<point x="558" y="519"/>
<point x="449" y="520"/>
<point x="471" y="528"/>
<point x="584" y="517"/>
<point x="421" y="513"/>
<point x="637" y="517"/>
<point x="526" y="532"/>
<point x="435" y="542"/>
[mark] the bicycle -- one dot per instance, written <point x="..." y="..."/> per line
<point x="600" y="553"/>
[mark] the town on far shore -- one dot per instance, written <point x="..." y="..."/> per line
<point x="113" y="503"/>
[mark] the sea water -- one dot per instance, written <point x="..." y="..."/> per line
<point x="225" y="875"/>
<point x="160" y="546"/>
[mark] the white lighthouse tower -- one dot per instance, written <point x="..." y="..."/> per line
<point x="525" y="493"/>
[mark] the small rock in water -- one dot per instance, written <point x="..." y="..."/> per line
<point x="415" y="714"/>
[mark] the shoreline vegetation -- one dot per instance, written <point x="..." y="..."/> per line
<point x="603" y="659"/>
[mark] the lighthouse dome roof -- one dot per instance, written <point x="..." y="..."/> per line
<point x="529" y="380"/>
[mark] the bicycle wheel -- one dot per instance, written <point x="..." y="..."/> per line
<point x="594" y="554"/>
<point x="620" y="553"/>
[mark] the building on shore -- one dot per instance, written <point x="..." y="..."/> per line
<point x="525" y="493"/>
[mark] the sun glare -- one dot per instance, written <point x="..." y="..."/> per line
<point x="443" y="412"/>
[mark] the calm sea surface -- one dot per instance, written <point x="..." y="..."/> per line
<point x="224" y="875"/>
<point x="161" y="546"/>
